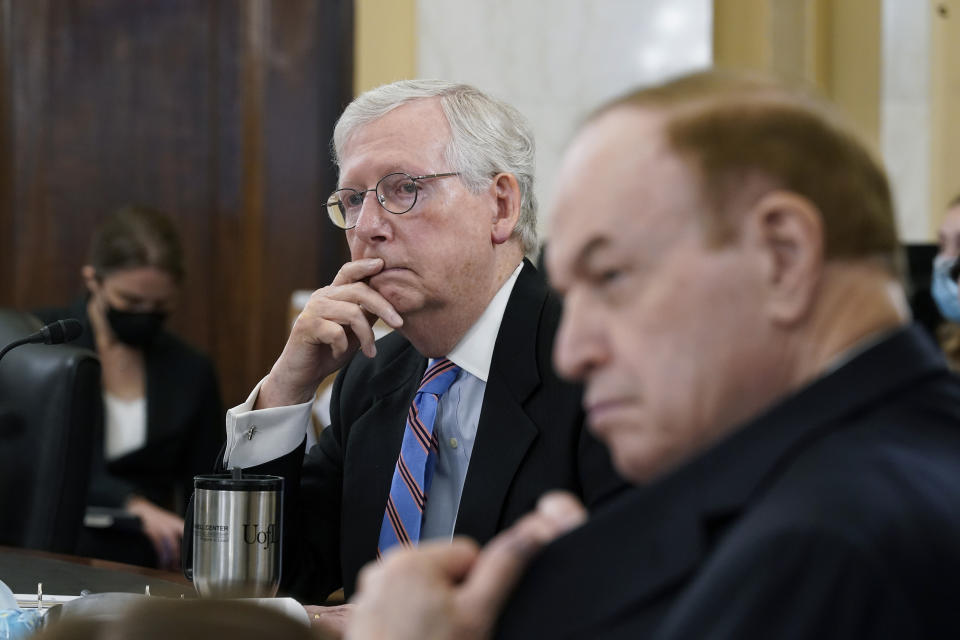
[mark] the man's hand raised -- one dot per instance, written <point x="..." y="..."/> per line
<point x="454" y="590"/>
<point x="337" y="320"/>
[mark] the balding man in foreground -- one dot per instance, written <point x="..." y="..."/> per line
<point x="728" y="257"/>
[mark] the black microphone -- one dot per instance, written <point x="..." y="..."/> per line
<point x="56" y="332"/>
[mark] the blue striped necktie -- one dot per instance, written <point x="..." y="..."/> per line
<point x="403" y="515"/>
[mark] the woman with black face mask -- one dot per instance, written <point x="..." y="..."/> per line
<point x="162" y="418"/>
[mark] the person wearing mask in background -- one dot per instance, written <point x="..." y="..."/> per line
<point x="943" y="286"/>
<point x="727" y="254"/>
<point x="161" y="399"/>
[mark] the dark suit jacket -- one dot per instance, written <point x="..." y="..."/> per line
<point x="184" y="424"/>
<point x="836" y="514"/>
<point x="530" y="438"/>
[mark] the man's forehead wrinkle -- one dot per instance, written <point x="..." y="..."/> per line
<point x="348" y="140"/>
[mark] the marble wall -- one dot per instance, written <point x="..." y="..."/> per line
<point x="905" y="115"/>
<point x="556" y="60"/>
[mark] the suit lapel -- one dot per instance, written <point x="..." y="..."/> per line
<point x="372" y="447"/>
<point x="162" y="387"/>
<point x="504" y="432"/>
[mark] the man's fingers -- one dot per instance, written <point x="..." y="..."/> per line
<point x="358" y="293"/>
<point x="454" y="559"/>
<point x="451" y="559"/>
<point x="563" y="510"/>
<point x="328" y="323"/>
<point x="350" y="284"/>
<point x="373" y="303"/>
<point x="357" y="270"/>
<point x="498" y="568"/>
<point x="501" y="563"/>
<point x="409" y="593"/>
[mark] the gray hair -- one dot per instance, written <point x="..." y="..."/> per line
<point x="487" y="137"/>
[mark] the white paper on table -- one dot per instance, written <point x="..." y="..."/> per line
<point x="29" y="600"/>
<point x="288" y="606"/>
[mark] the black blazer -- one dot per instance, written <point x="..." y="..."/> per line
<point x="836" y="514"/>
<point x="530" y="438"/>
<point x="184" y="424"/>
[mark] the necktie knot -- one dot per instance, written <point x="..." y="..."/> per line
<point x="438" y="377"/>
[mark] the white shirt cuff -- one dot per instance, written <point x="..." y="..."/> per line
<point x="255" y="437"/>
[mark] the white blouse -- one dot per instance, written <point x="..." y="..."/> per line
<point x="125" y="425"/>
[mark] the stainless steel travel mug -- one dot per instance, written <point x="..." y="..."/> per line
<point x="237" y="530"/>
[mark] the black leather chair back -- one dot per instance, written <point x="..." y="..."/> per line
<point x="49" y="406"/>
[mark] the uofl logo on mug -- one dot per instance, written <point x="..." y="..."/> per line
<point x="253" y="534"/>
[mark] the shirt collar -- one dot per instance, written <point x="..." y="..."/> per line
<point x="475" y="350"/>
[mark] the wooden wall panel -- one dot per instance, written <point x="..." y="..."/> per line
<point x="217" y="111"/>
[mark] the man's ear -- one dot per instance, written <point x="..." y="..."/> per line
<point x="506" y="193"/>
<point x="788" y="230"/>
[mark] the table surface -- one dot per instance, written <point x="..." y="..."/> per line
<point x="22" y="569"/>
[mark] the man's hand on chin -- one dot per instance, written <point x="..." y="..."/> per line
<point x="336" y="321"/>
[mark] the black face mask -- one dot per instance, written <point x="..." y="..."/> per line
<point x="133" y="328"/>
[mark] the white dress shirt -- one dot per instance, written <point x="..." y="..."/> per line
<point x="255" y="437"/>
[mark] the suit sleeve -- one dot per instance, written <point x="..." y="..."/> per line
<point x="106" y="489"/>
<point x="797" y="584"/>
<point x="312" y="498"/>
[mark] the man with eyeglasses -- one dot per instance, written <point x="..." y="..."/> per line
<point x="732" y="303"/>
<point x="454" y="423"/>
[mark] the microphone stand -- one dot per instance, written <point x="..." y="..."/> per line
<point x="15" y="343"/>
<point x="56" y="332"/>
